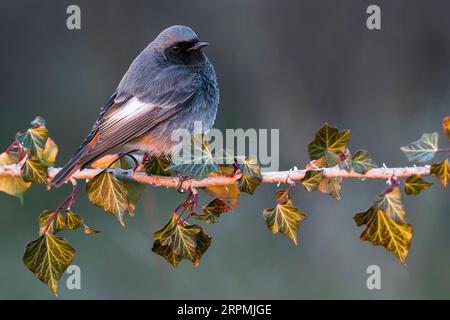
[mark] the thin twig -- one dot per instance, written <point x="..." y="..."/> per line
<point x="267" y="177"/>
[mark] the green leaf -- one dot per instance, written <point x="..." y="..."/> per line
<point x="167" y="253"/>
<point x="50" y="152"/>
<point x="203" y="242"/>
<point x="361" y="163"/>
<point x="48" y="257"/>
<point x="249" y="167"/>
<point x="158" y="165"/>
<point x="312" y="179"/>
<point x="198" y="163"/>
<point x="212" y="211"/>
<point x="284" y="218"/>
<point x="442" y="171"/>
<point x="14" y="186"/>
<point x="251" y="176"/>
<point x="248" y="184"/>
<point x="33" y="170"/>
<point x="422" y="150"/>
<point x="446" y="126"/>
<point x="329" y="139"/>
<point x="109" y="193"/>
<point x="49" y="223"/>
<point x="391" y="204"/>
<point x="383" y="231"/>
<point x="134" y="193"/>
<point x="177" y="240"/>
<point x="414" y="184"/>
<point x="34" y="139"/>
<point x="363" y="218"/>
<point x="331" y="186"/>
<point x="74" y="221"/>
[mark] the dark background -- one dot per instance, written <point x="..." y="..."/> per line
<point x="281" y="64"/>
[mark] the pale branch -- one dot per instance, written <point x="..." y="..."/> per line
<point x="267" y="177"/>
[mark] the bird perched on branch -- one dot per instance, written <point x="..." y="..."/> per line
<point x="170" y="85"/>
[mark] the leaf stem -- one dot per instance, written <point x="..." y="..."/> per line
<point x="124" y="154"/>
<point x="66" y="204"/>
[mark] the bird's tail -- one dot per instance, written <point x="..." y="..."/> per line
<point x="79" y="160"/>
<point x="66" y="172"/>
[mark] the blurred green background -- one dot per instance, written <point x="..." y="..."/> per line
<point x="281" y="64"/>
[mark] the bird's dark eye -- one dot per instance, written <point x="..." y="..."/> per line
<point x="176" y="49"/>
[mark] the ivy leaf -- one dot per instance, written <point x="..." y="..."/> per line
<point x="109" y="193"/>
<point x="48" y="257"/>
<point x="442" y="171"/>
<point x="331" y="186"/>
<point x="381" y="230"/>
<point x="158" y="165"/>
<point x="249" y="167"/>
<point x="167" y="253"/>
<point x="177" y="240"/>
<point x="33" y="170"/>
<point x="199" y="163"/>
<point x="248" y="184"/>
<point x="134" y="189"/>
<point x="14" y="186"/>
<point x="203" y="242"/>
<point x="134" y="193"/>
<point x="74" y="221"/>
<point x="422" y="150"/>
<point x="414" y="184"/>
<point x="284" y="218"/>
<point x="331" y="159"/>
<point x="50" y="152"/>
<point x="360" y="162"/>
<point x="446" y="126"/>
<point x="34" y="139"/>
<point x="228" y="193"/>
<point x="363" y="218"/>
<point x="251" y="176"/>
<point x="212" y="211"/>
<point x="312" y="179"/>
<point x="330" y="139"/>
<point x="391" y="204"/>
<point x="45" y="219"/>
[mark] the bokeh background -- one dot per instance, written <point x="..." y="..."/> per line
<point x="281" y="64"/>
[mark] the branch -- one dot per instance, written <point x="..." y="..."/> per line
<point x="267" y="177"/>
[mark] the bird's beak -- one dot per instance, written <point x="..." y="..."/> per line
<point x="198" y="45"/>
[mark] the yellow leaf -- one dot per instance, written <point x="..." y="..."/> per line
<point x="442" y="171"/>
<point x="414" y="184"/>
<point x="14" y="186"/>
<point x="394" y="236"/>
<point x="48" y="257"/>
<point x="106" y="192"/>
<point x="284" y="218"/>
<point x="33" y="170"/>
<point x="50" y="152"/>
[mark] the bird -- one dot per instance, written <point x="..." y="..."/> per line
<point x="170" y="85"/>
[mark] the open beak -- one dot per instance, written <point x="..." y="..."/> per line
<point x="198" y="45"/>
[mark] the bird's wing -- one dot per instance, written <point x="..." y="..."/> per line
<point x="129" y="115"/>
<point x="125" y="121"/>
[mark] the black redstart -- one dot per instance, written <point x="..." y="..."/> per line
<point x="170" y="85"/>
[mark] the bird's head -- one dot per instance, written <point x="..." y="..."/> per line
<point x="180" y="45"/>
